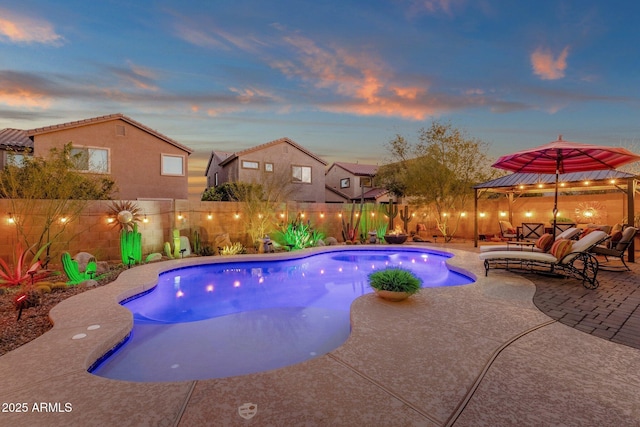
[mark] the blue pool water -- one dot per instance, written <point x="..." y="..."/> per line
<point x="228" y="319"/>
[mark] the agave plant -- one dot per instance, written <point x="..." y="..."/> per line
<point x="16" y="275"/>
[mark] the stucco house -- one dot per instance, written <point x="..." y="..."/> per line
<point x="352" y="182"/>
<point x="144" y="163"/>
<point x="300" y="168"/>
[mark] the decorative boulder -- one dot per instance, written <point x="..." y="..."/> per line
<point x="221" y="240"/>
<point x="83" y="258"/>
<point x="184" y="244"/>
<point x="330" y="241"/>
<point x="156" y="256"/>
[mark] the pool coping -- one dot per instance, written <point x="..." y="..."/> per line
<point x="53" y="368"/>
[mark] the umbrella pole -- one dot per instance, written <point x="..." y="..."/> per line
<point x="555" y="198"/>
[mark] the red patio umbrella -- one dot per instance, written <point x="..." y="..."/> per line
<point x="565" y="157"/>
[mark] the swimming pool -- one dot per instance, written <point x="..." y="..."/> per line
<point x="228" y="319"/>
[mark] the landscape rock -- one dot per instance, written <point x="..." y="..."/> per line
<point x="156" y="256"/>
<point x="83" y="258"/>
<point x="220" y="241"/>
<point x="330" y="241"/>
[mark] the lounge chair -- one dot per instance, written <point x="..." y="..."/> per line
<point x="567" y="234"/>
<point x="578" y="263"/>
<point x="617" y="249"/>
<point x="508" y="231"/>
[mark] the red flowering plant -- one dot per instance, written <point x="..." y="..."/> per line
<point x="17" y="275"/>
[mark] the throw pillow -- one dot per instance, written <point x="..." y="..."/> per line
<point x="544" y="242"/>
<point x="615" y="238"/>
<point x="561" y="248"/>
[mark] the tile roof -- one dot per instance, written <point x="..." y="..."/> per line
<point x="270" y="143"/>
<point x="357" y="169"/>
<point x="15" y="139"/>
<point x="109" y="117"/>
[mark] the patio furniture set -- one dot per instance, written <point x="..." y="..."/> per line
<point x="572" y="253"/>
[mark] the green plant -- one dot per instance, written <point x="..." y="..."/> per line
<point x="297" y="235"/>
<point x="16" y="275"/>
<point x="197" y="246"/>
<point x="206" y="251"/>
<point x="395" y="279"/>
<point x="373" y="219"/>
<point x="235" y="249"/>
<point x="131" y="245"/>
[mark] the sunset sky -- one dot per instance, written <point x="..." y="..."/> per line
<point x="341" y="78"/>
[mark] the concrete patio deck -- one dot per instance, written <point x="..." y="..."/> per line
<point x="480" y="354"/>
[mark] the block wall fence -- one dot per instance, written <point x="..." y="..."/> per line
<point x="92" y="233"/>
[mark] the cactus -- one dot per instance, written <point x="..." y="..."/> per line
<point x="167" y="250"/>
<point x="391" y="212"/>
<point x="176" y="243"/>
<point x="72" y="271"/>
<point x="197" y="248"/>
<point x="406" y="218"/>
<point x="131" y="246"/>
<point x="175" y="253"/>
<point x="350" y="229"/>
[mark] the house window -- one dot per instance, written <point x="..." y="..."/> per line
<point x="366" y="182"/>
<point x="247" y="164"/>
<point x="301" y="174"/>
<point x="88" y="159"/>
<point x="215" y="179"/>
<point x="14" y="159"/>
<point x="345" y="183"/>
<point x="172" y="165"/>
<point x="268" y="167"/>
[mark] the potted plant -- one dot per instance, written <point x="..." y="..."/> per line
<point x="394" y="283"/>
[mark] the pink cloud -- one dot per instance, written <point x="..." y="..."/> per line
<point x="366" y="84"/>
<point x="546" y="66"/>
<point x="16" y="28"/>
<point x="23" y="97"/>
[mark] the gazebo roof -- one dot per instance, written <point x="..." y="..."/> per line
<point x="534" y="179"/>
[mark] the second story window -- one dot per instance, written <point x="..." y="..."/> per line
<point x="268" y="167"/>
<point x="89" y="159"/>
<point x="301" y="174"/>
<point x="345" y="183"/>
<point x="172" y="165"/>
<point x="247" y="164"/>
